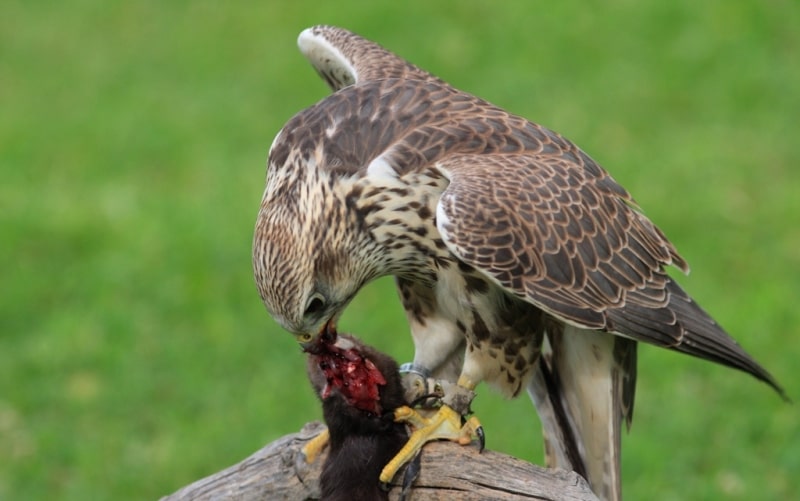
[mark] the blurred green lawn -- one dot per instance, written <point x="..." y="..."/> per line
<point x="135" y="355"/>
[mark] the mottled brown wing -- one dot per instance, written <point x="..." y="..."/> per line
<point x="561" y="237"/>
<point x="551" y="233"/>
<point x="343" y="58"/>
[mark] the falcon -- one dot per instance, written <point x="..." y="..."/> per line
<point x="520" y="262"/>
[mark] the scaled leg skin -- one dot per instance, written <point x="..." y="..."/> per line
<point x="447" y="422"/>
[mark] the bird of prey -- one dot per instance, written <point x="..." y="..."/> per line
<point x="519" y="260"/>
<point x="360" y="389"/>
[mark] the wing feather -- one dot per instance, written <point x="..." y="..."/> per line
<point x="343" y="58"/>
<point x="519" y="219"/>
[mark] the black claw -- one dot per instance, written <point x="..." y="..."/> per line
<point x="429" y="401"/>
<point x="411" y="474"/>
<point x="481" y="438"/>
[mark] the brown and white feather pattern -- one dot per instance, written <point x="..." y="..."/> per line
<point x="501" y="234"/>
<point x="343" y="58"/>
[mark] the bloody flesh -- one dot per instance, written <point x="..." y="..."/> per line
<point x="354" y="376"/>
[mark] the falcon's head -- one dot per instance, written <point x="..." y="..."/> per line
<point x="307" y="270"/>
<point x="311" y="252"/>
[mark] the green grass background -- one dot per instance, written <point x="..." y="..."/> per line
<point x="135" y="355"/>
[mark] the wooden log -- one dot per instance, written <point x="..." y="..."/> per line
<point x="449" y="471"/>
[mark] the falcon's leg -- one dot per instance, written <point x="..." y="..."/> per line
<point x="439" y="352"/>
<point x="315" y="446"/>
<point x="448" y="422"/>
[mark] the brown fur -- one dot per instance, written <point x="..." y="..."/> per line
<point x="361" y="443"/>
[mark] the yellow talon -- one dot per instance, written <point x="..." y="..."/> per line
<point x="443" y="423"/>
<point x="314" y="446"/>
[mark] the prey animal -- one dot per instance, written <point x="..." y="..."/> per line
<point x="519" y="260"/>
<point x="360" y="389"/>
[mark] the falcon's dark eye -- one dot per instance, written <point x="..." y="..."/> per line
<point x="315" y="306"/>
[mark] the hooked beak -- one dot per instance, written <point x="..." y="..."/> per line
<point x="327" y="335"/>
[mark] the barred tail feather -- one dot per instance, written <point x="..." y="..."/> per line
<point x="584" y="391"/>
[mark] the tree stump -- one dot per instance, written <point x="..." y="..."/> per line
<point x="449" y="471"/>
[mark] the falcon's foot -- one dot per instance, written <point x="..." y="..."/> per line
<point x="439" y="424"/>
<point x="314" y="447"/>
<point x="421" y="390"/>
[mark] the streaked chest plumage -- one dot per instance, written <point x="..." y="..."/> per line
<point x="503" y="332"/>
